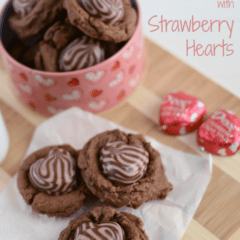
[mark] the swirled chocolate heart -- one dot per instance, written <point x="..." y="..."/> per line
<point x="93" y="231"/>
<point x="122" y="163"/>
<point x="23" y="7"/>
<point x="81" y="53"/>
<point x="54" y="174"/>
<point x="108" y="11"/>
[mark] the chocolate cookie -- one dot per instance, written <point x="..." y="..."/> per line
<point x="105" y="223"/>
<point x="50" y="181"/>
<point x="58" y="36"/>
<point x="65" y="48"/>
<point x="30" y="17"/>
<point x="127" y="174"/>
<point x="113" y="21"/>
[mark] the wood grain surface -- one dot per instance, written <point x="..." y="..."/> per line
<point x="218" y="215"/>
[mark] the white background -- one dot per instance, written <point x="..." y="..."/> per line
<point x="223" y="70"/>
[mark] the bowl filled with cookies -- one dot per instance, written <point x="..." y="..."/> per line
<point x="61" y="54"/>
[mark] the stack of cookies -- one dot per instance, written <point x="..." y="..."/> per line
<point x="120" y="169"/>
<point x="68" y="35"/>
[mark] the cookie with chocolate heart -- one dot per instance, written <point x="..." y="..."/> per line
<point x="112" y="20"/>
<point x="64" y="48"/>
<point x="122" y="163"/>
<point x="55" y="39"/>
<point x="50" y="181"/>
<point x="123" y="169"/>
<point x="105" y="223"/>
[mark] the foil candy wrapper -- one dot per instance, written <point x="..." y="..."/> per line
<point x="181" y="113"/>
<point x="220" y="134"/>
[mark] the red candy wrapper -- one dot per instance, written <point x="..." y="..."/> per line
<point x="220" y="134"/>
<point x="181" y="113"/>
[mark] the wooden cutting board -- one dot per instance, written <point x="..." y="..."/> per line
<point x="218" y="215"/>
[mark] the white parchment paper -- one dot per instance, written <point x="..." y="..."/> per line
<point x="163" y="220"/>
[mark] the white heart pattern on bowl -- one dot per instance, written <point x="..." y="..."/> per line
<point x="116" y="81"/>
<point x="140" y="54"/>
<point x="94" y="76"/>
<point x="47" y="82"/>
<point x="74" y="95"/>
<point x="25" y="88"/>
<point x="53" y="110"/>
<point x="134" y="81"/>
<point x="128" y="53"/>
<point x="97" y="105"/>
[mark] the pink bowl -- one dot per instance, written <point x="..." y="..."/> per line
<point x="94" y="89"/>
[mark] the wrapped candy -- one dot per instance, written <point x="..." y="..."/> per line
<point x="181" y="113"/>
<point x="220" y="134"/>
